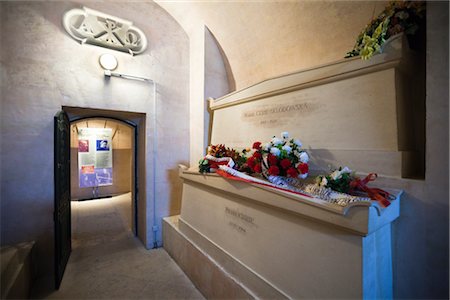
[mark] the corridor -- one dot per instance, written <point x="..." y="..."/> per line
<point x="107" y="261"/>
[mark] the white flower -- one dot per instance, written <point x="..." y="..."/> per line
<point x="287" y="148"/>
<point x="275" y="151"/>
<point x="346" y="170"/>
<point x="276" y="141"/>
<point x="285" y="135"/>
<point x="302" y="176"/>
<point x="324" y="181"/>
<point x="335" y="175"/>
<point x="266" y="147"/>
<point x="303" y="157"/>
<point x="298" y="143"/>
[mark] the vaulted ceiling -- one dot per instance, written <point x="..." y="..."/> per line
<point x="269" y="38"/>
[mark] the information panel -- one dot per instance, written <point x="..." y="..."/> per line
<point x="95" y="157"/>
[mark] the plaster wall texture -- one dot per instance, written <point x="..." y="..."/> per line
<point x="43" y="69"/>
<point x="266" y="39"/>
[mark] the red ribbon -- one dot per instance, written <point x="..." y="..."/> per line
<point x="374" y="193"/>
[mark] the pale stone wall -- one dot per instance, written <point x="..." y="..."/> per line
<point x="43" y="69"/>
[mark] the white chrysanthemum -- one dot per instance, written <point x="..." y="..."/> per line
<point x="276" y="141"/>
<point x="267" y="146"/>
<point x="335" y="175"/>
<point x="303" y="157"/>
<point x="298" y="143"/>
<point x="287" y="148"/>
<point x="285" y="135"/>
<point x="302" y="176"/>
<point x="346" y="170"/>
<point x="275" y="151"/>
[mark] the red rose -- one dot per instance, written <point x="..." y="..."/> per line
<point x="285" y="163"/>
<point x="251" y="162"/>
<point x="292" y="172"/>
<point x="273" y="160"/>
<point x="257" y="145"/>
<point x="303" y="168"/>
<point x="257" y="155"/>
<point x="273" y="170"/>
<point x="257" y="168"/>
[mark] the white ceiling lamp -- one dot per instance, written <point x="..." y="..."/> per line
<point x="108" y="62"/>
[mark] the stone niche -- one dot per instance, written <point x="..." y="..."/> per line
<point x="237" y="240"/>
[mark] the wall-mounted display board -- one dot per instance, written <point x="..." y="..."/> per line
<point x="95" y="157"/>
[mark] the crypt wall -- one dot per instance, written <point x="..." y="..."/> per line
<point x="43" y="69"/>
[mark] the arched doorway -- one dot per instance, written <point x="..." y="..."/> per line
<point x="77" y="115"/>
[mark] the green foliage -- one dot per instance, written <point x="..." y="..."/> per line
<point x="203" y="166"/>
<point x="341" y="184"/>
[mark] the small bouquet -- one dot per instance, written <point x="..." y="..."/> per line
<point x="345" y="181"/>
<point x="339" y="180"/>
<point x="280" y="157"/>
<point x="222" y="155"/>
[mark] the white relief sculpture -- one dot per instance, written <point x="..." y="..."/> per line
<point x="93" y="27"/>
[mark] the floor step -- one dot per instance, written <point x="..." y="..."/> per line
<point x="17" y="270"/>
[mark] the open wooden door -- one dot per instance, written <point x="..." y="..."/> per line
<point x="63" y="243"/>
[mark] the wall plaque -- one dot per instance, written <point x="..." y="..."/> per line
<point x="93" y="27"/>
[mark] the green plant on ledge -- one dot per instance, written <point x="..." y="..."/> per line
<point x="397" y="17"/>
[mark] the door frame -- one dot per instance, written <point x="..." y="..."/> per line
<point x="138" y="119"/>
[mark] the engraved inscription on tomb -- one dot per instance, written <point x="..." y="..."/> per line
<point x="239" y="221"/>
<point x="270" y="115"/>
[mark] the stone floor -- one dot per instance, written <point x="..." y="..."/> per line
<point x="107" y="261"/>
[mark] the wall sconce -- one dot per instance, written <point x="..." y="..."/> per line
<point x="109" y="62"/>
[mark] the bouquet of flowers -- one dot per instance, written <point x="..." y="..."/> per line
<point x="397" y="17"/>
<point x="343" y="180"/>
<point x="339" y="180"/>
<point x="280" y="157"/>
<point x="221" y="155"/>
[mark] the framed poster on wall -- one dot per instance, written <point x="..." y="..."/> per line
<point x="95" y="157"/>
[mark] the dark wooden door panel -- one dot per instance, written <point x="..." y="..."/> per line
<point x="63" y="243"/>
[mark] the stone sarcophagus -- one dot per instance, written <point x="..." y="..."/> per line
<point x="238" y="240"/>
